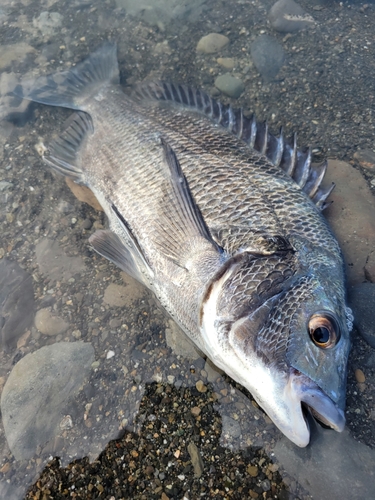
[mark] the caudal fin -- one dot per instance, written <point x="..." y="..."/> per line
<point x="71" y="89"/>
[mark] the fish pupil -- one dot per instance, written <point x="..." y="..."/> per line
<point x="321" y="335"/>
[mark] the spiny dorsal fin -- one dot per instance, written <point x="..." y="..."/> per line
<point x="282" y="153"/>
<point x="63" y="153"/>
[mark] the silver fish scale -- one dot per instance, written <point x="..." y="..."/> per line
<point x="253" y="283"/>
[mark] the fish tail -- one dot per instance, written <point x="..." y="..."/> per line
<point x="72" y="88"/>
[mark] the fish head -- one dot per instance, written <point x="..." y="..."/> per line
<point x="289" y="349"/>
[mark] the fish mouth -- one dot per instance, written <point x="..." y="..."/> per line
<point x="325" y="411"/>
<point x="309" y="396"/>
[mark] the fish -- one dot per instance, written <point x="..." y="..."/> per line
<point x="222" y="221"/>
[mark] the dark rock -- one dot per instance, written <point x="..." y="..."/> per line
<point x="268" y="56"/>
<point x="286" y="16"/>
<point x="333" y="462"/>
<point x="362" y="302"/>
<point x="16" y="302"/>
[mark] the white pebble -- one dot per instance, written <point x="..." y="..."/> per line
<point x="110" y="354"/>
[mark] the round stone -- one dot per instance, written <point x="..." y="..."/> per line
<point x="229" y="85"/>
<point x="212" y="43"/>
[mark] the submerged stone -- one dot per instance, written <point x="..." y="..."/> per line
<point x="229" y="85"/>
<point x="37" y="391"/>
<point x="50" y="324"/>
<point x="54" y="263"/>
<point x="16" y="302"/>
<point x="351" y="216"/>
<point x="286" y="16"/>
<point x="268" y="56"/>
<point x="212" y="43"/>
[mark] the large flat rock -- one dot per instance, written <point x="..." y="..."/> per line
<point x="36" y="392"/>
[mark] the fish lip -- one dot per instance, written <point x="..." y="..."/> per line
<point x="321" y="406"/>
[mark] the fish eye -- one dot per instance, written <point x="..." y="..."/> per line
<point x="324" y="330"/>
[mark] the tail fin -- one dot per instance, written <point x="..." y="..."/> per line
<point x="71" y="89"/>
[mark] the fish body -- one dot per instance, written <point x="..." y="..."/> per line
<point x="222" y="221"/>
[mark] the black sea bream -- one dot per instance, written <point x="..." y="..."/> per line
<point x="222" y="221"/>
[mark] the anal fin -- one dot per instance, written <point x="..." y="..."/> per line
<point x="63" y="153"/>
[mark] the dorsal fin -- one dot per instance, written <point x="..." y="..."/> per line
<point x="283" y="153"/>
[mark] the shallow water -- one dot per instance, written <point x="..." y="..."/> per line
<point x="108" y="363"/>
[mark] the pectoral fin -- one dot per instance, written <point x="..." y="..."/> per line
<point x="180" y="228"/>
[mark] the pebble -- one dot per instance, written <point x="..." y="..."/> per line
<point x="268" y="56"/>
<point x="196" y="411"/>
<point x="229" y="85"/>
<point x="226" y="62"/>
<point x="359" y="376"/>
<point x="351" y="217"/>
<point x="212" y="43"/>
<point x="200" y="386"/>
<point x="36" y="393"/>
<point x="77" y="334"/>
<point x="196" y="459"/>
<point x="286" y="16"/>
<point x="252" y="470"/>
<point x="265" y="485"/>
<point x="50" y="324"/>
<point x="86" y="224"/>
<point x="366" y="158"/>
